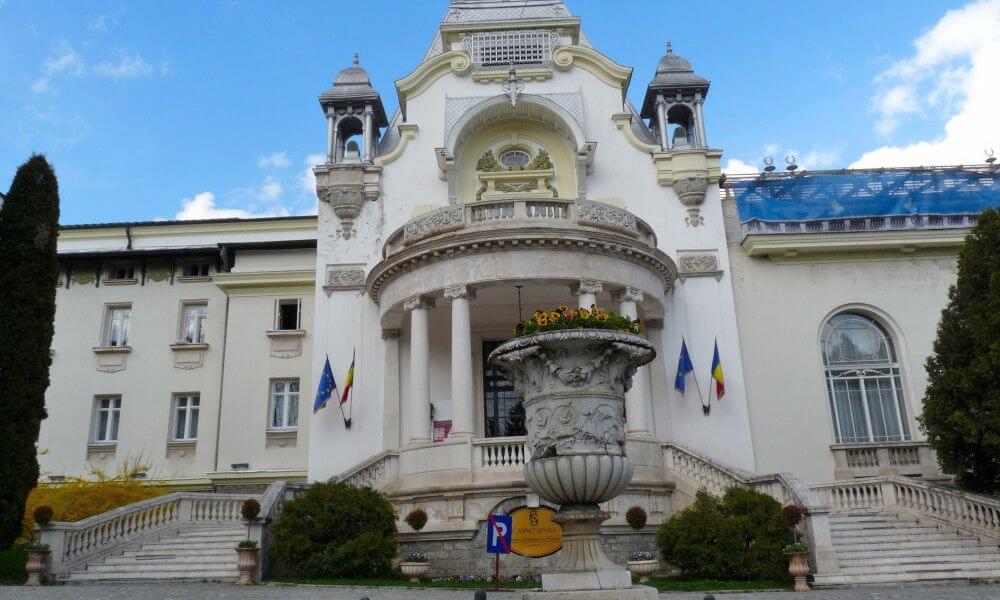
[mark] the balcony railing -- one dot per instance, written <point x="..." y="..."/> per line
<point x="500" y="454"/>
<point x="883" y="458"/>
<point x="520" y="212"/>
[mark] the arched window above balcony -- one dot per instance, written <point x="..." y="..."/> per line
<point x="863" y="381"/>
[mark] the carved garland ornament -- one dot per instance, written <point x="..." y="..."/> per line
<point x="344" y="277"/>
<point x="691" y="192"/>
<point x="608" y="216"/>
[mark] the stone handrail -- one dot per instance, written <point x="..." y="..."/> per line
<point x="74" y="545"/>
<point x="964" y="510"/>
<point x="376" y="472"/>
<point x="518" y="212"/>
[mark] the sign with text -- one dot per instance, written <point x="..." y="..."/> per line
<point x="534" y="533"/>
<point x="441" y="430"/>
<point x="498" y="536"/>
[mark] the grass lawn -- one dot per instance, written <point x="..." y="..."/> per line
<point x="401" y="581"/>
<point x="685" y="584"/>
<point x="12" y="567"/>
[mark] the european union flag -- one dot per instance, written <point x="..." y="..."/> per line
<point x="327" y="387"/>
<point x="684" y="367"/>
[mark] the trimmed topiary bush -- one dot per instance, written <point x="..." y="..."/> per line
<point x="417" y="519"/>
<point x="739" y="536"/>
<point x="250" y="509"/>
<point x="335" y="531"/>
<point x="43" y="515"/>
<point x="636" y="517"/>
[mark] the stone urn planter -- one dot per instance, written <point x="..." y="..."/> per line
<point x="643" y="568"/>
<point x="38" y="561"/>
<point x="798" y="568"/>
<point x="247" y="560"/>
<point x="414" y="570"/>
<point x="573" y="383"/>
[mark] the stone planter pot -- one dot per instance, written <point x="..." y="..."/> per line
<point x="36" y="567"/>
<point x="798" y="568"/>
<point x="573" y="383"/>
<point x="414" y="570"/>
<point x="247" y="560"/>
<point x="643" y="568"/>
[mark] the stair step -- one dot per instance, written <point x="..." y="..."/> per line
<point x="839" y="540"/>
<point x="174" y="544"/>
<point x="904" y="567"/>
<point x="906" y="545"/>
<point x="242" y="532"/>
<point x="159" y="568"/>
<point x="991" y="574"/>
<point x="173" y="559"/>
<point x="188" y="551"/>
<point x="934" y="552"/>
<point x="903" y="561"/>
<point x="220" y="575"/>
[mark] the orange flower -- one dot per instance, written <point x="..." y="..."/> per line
<point x="554" y="316"/>
<point x="563" y="308"/>
<point x="543" y="321"/>
<point x="584" y="313"/>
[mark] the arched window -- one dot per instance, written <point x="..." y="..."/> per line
<point x="862" y="379"/>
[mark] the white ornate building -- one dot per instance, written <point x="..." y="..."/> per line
<point x="515" y="175"/>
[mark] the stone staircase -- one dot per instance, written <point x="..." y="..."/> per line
<point x="194" y="554"/>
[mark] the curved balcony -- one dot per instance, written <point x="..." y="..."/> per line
<point x="518" y="224"/>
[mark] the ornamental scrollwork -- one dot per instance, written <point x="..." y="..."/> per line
<point x="438" y="221"/>
<point x="608" y="216"/>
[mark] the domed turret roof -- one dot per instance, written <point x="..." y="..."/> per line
<point x="673" y="73"/>
<point x="352" y="85"/>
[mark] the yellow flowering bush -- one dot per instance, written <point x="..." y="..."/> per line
<point x="78" y="498"/>
<point x="565" y="318"/>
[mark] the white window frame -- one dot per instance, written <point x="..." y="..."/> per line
<point x="201" y="327"/>
<point x="863" y="375"/>
<point x="192" y="406"/>
<point x="113" y="408"/>
<point x="108" y="325"/>
<point x="285" y="404"/>
<point x="277" y="313"/>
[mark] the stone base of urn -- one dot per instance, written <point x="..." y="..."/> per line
<point x="640" y="592"/>
<point x="247" y="560"/>
<point x="414" y="570"/>
<point x="36" y="567"/>
<point x="798" y="568"/>
<point x="643" y="568"/>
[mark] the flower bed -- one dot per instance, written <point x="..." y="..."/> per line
<point x="564" y="317"/>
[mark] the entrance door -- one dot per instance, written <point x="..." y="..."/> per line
<point x="503" y="408"/>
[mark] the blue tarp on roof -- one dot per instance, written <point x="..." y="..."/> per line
<point x="825" y="196"/>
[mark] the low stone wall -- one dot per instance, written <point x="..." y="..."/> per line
<point x="468" y="556"/>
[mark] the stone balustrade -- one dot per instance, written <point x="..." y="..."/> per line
<point x="74" y="545"/>
<point x="883" y="458"/>
<point x="377" y="472"/>
<point x="500" y="454"/>
<point x="521" y="212"/>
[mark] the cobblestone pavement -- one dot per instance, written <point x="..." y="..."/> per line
<point x="208" y="591"/>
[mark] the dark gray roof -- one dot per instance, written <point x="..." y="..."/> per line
<point x="674" y="72"/>
<point x="353" y="85"/>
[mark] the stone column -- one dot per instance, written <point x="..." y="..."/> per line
<point x="367" y="154"/>
<point x="699" y="119"/>
<point x="331" y="144"/>
<point x="636" y="419"/>
<point x="462" y="391"/>
<point x="661" y="122"/>
<point x="586" y="291"/>
<point x="420" y="369"/>
<point x="654" y="328"/>
<point x="390" y="420"/>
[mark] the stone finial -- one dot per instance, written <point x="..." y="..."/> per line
<point x="415" y="302"/>
<point x="459" y="291"/>
<point x="628" y="294"/>
<point x="587" y="286"/>
<point x="356" y="58"/>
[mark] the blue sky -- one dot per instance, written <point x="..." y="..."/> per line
<point x="194" y="109"/>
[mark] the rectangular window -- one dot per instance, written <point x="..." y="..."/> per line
<point x="116" y="325"/>
<point x="284" y="404"/>
<point x="186" y="417"/>
<point x="194" y="325"/>
<point x="119" y="272"/>
<point x="288" y="315"/>
<point x="195" y="270"/>
<point x="503" y="408"/>
<point x="106" y="412"/>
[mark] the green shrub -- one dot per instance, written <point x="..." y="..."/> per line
<point x="336" y="531"/>
<point x="740" y="536"/>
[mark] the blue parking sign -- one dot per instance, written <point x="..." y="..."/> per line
<point x="499" y="532"/>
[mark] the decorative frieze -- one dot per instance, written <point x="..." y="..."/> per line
<point x="344" y="277"/>
<point x="628" y="294"/>
<point x="698" y="264"/>
<point x="415" y="302"/>
<point x="459" y="291"/>
<point x="604" y="215"/>
<point x="587" y="286"/>
<point x="439" y="221"/>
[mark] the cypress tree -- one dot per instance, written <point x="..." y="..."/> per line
<point x="29" y="269"/>
<point x="961" y="414"/>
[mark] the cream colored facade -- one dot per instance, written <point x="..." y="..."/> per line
<point x="423" y="253"/>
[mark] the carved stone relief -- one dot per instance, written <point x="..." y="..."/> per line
<point x="344" y="277"/>
<point x="433" y="223"/>
<point x="608" y="216"/>
<point x="691" y="192"/>
<point x="698" y="264"/>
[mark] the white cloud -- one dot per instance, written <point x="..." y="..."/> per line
<point x="735" y="166"/>
<point x="277" y="159"/>
<point x="818" y="158"/>
<point x="952" y="73"/>
<point x="271" y="190"/>
<point x="202" y="206"/>
<point x="308" y="180"/>
<point x="127" y="66"/>
<point x="66" y="61"/>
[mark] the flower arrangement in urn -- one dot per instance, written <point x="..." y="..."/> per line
<point x="416" y="564"/>
<point x="248" y="551"/>
<point x="642" y="564"/>
<point x="563" y="317"/>
<point x="797" y="552"/>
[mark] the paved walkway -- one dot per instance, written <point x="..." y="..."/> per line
<point x="208" y="591"/>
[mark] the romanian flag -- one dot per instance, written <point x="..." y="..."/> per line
<point x="720" y="383"/>
<point x="348" y="382"/>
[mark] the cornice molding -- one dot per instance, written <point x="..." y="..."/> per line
<point x="623" y="121"/>
<point x="266" y="282"/>
<point x="593" y="61"/>
<point x="430" y="71"/>
<point x="407" y="132"/>
<point x="792" y="246"/>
